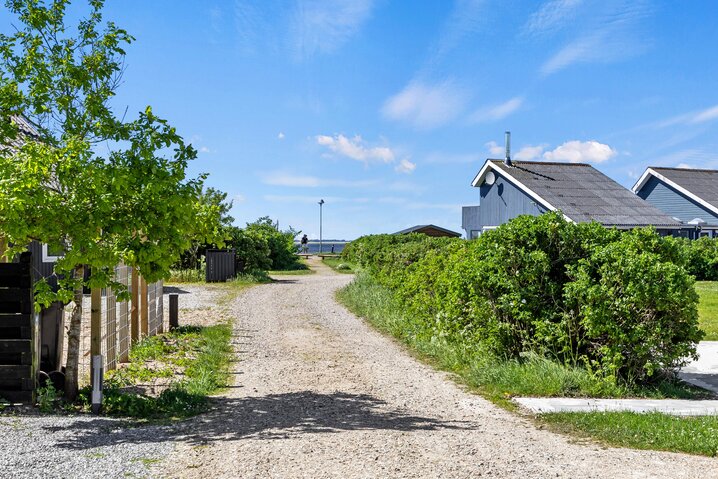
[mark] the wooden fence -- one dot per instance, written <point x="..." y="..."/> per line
<point x="110" y="327"/>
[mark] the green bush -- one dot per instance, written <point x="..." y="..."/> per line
<point x="282" y="250"/>
<point x="619" y="303"/>
<point x="701" y="257"/>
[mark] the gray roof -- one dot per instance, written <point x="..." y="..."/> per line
<point x="584" y="194"/>
<point x="25" y="130"/>
<point x="702" y="183"/>
<point x="419" y="228"/>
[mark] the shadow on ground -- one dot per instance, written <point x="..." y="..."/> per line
<point x="269" y="417"/>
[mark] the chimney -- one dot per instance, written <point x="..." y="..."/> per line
<point x="507" y="159"/>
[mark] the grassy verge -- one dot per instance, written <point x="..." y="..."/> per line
<point x="499" y="380"/>
<point x="185" y="366"/>
<point x="708" y="308"/>
<point x="339" y="265"/>
<point x="693" y="435"/>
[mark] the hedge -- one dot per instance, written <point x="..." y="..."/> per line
<point x="622" y="304"/>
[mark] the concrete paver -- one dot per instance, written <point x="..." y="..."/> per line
<point x="678" y="407"/>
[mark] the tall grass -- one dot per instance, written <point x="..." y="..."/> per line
<point x="694" y="435"/>
<point x="496" y="378"/>
<point x="708" y="308"/>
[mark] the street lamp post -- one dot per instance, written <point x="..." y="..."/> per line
<point x="321" y="202"/>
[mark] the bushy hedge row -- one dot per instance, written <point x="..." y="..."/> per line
<point x="619" y="303"/>
<point x="701" y="257"/>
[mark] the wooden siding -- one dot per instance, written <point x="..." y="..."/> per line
<point x="674" y="203"/>
<point x="470" y="220"/>
<point x="503" y="201"/>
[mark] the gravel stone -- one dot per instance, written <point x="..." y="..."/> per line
<point x="320" y="394"/>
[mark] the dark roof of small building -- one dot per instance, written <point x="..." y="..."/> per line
<point x="25" y="130"/>
<point x="584" y="194"/>
<point x="424" y="228"/>
<point x="702" y="183"/>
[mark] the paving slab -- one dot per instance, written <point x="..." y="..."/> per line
<point x="677" y="407"/>
<point x="704" y="371"/>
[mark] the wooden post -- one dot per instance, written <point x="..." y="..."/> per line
<point x="174" y="311"/>
<point x="124" y="339"/>
<point x="144" y="308"/>
<point x="111" y="321"/>
<point x="95" y="324"/>
<point x="135" y="311"/>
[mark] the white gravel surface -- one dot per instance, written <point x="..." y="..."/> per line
<point x="320" y="394"/>
<point x="78" y="447"/>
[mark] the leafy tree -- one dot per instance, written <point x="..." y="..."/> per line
<point x="106" y="189"/>
<point x="282" y="250"/>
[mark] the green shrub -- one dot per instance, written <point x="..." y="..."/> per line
<point x="701" y="256"/>
<point x="620" y="303"/>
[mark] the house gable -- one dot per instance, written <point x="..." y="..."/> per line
<point x="503" y="201"/>
<point x="674" y="202"/>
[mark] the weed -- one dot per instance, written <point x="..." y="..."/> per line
<point x="48" y="398"/>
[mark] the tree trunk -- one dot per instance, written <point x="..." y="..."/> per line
<point x="73" y="340"/>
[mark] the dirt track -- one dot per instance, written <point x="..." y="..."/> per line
<point x="320" y="394"/>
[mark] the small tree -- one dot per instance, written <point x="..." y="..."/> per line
<point x="105" y="189"/>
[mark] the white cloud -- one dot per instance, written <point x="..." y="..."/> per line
<point x="283" y="178"/>
<point x="355" y="148"/>
<point x="686" y="165"/>
<point x="581" y="152"/>
<point x="694" y="117"/>
<point x="405" y="166"/>
<point x="239" y="198"/>
<point x="280" y="136"/>
<point x="204" y="149"/>
<point x="497" y="112"/>
<point x="495" y="149"/>
<point x="706" y="115"/>
<point x="318" y="26"/>
<point x="529" y="152"/>
<point x="551" y="16"/>
<point x="605" y="33"/>
<point x="425" y="106"/>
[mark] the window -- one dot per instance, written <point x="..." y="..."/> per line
<point x="51" y="254"/>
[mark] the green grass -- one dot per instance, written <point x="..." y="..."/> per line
<point x="292" y="272"/>
<point x="339" y="265"/>
<point x="201" y="354"/>
<point x="708" y="308"/>
<point x="496" y="379"/>
<point x="693" y="435"/>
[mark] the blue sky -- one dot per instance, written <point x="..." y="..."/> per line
<point x="387" y="109"/>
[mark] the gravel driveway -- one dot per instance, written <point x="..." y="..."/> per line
<point x="320" y="394"/>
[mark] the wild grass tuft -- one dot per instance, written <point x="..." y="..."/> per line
<point x="693" y="435"/>
<point x="708" y="308"/>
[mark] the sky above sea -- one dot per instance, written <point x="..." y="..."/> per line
<point x="386" y="110"/>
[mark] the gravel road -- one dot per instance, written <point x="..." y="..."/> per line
<point x="320" y="394"/>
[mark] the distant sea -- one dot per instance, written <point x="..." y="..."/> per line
<point x="326" y="246"/>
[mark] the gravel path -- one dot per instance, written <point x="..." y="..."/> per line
<point x="70" y="446"/>
<point x="320" y="394"/>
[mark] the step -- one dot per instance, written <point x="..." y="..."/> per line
<point x="16" y="396"/>
<point x="15" y="351"/>
<point x="15" y="371"/>
<point x="15" y="326"/>
<point x="16" y="300"/>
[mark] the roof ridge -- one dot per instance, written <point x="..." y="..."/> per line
<point x="705" y="170"/>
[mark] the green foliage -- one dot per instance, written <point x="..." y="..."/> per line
<point x="48" y="398"/>
<point x="201" y="353"/>
<point x="692" y="435"/>
<point x="252" y="249"/>
<point x="132" y="203"/>
<point x="700" y="256"/>
<point x="282" y="250"/>
<point x="619" y="304"/>
<point x="708" y="308"/>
